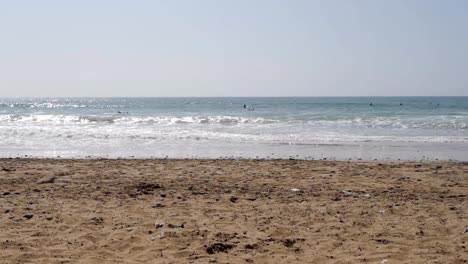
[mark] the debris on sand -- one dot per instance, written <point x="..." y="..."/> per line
<point x="251" y="246"/>
<point x="290" y="242"/>
<point x="161" y="236"/>
<point x="346" y="193"/>
<point x="96" y="220"/>
<point x="176" y="226"/>
<point x="219" y="248"/>
<point x="47" y="179"/>
<point x="143" y="189"/>
<point x="169" y="225"/>
<point x="295" y="190"/>
<point x="8" y="169"/>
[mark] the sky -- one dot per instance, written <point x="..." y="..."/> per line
<point x="233" y="48"/>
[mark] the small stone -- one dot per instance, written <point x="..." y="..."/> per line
<point x="49" y="218"/>
<point x="28" y="216"/>
<point x="233" y="199"/>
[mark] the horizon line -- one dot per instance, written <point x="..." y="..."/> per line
<point x="241" y="96"/>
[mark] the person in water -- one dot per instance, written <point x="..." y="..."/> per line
<point x="245" y="106"/>
<point x="371" y="104"/>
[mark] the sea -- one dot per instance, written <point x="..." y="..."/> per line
<point x="335" y="128"/>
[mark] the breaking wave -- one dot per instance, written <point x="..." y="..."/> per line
<point x="447" y="122"/>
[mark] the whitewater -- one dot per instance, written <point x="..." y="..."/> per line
<point x="302" y="127"/>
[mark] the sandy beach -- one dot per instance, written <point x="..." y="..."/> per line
<point x="232" y="211"/>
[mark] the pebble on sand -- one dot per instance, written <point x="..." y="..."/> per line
<point x="28" y="216"/>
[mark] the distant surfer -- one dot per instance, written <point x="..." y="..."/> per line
<point x="245" y="106"/>
<point x="371" y="104"/>
<point x="401" y="103"/>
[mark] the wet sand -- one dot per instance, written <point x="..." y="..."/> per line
<point x="232" y="211"/>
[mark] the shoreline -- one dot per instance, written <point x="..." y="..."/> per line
<point x="232" y="211"/>
<point x="186" y="150"/>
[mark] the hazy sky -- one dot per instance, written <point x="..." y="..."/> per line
<point x="233" y="48"/>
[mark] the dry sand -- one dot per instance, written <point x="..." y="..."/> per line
<point x="231" y="211"/>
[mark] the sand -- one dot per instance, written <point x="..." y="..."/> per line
<point x="232" y="211"/>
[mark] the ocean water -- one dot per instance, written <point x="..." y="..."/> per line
<point x="300" y="127"/>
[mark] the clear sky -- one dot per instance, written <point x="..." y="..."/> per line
<point x="233" y="48"/>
